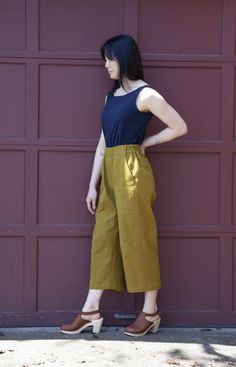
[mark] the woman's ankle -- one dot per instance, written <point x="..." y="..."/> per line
<point x="90" y="307"/>
<point x="150" y="309"/>
<point x="88" y="316"/>
<point x="92" y="302"/>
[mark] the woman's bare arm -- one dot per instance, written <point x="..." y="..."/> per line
<point x="91" y="198"/>
<point x="150" y="100"/>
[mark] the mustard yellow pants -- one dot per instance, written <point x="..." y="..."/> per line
<point x="124" y="254"/>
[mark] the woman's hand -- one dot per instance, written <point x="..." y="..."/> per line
<point x="143" y="149"/>
<point x="91" y="200"/>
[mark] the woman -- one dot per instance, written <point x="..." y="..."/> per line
<point x="124" y="244"/>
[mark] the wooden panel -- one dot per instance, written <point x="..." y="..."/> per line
<point x="187" y="188"/>
<point x="78" y="25"/>
<point x="188" y="266"/>
<point x="12" y="187"/>
<point x="12" y="100"/>
<point x="234" y="121"/>
<point x="234" y="273"/>
<point x="12" y="24"/>
<point x="202" y="113"/>
<point x="181" y="26"/>
<point x="234" y="191"/>
<point x="69" y="108"/>
<point x="63" y="185"/>
<point x="67" y="280"/>
<point x="11" y="273"/>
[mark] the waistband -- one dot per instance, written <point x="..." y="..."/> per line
<point x="123" y="148"/>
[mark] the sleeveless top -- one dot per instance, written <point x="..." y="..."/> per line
<point x="122" y="122"/>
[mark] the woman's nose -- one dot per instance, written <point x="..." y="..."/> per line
<point x="106" y="63"/>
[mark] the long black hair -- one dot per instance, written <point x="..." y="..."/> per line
<point x="124" y="50"/>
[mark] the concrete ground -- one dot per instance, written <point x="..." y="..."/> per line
<point x="46" y="346"/>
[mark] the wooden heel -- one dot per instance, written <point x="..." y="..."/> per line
<point x="97" y="324"/>
<point x="155" y="327"/>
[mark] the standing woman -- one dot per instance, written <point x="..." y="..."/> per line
<point x="124" y="244"/>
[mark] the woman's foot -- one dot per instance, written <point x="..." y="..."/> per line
<point x="144" y="323"/>
<point x="82" y="321"/>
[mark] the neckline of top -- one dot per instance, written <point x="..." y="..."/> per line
<point x="126" y="94"/>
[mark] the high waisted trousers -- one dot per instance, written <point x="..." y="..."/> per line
<point x="124" y="252"/>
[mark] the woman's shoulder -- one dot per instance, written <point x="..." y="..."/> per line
<point x="149" y="92"/>
<point x="147" y="98"/>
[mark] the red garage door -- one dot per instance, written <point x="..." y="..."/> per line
<point x="52" y="88"/>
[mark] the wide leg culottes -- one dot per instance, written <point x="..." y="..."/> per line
<point x="124" y="254"/>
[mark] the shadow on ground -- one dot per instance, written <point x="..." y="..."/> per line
<point x="192" y="347"/>
<point x="222" y="336"/>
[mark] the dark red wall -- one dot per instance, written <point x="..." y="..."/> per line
<point x="52" y="89"/>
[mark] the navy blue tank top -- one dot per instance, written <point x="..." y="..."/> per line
<point x="122" y="122"/>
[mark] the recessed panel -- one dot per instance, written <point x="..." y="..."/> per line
<point x="187" y="186"/>
<point x="71" y="101"/>
<point x="234" y="274"/>
<point x="63" y="273"/>
<point x="180" y="27"/>
<point x="11" y="274"/>
<point x="233" y="206"/>
<point x="234" y="127"/>
<point x="69" y="25"/>
<point x="190" y="274"/>
<point x="12" y="25"/>
<point x="12" y="182"/>
<point x="12" y="100"/>
<point x="196" y="95"/>
<point x="63" y="186"/>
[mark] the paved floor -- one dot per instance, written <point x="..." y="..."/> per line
<point x="28" y="347"/>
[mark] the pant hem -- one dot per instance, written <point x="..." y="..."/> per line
<point x="145" y="289"/>
<point x="107" y="287"/>
<point x="118" y="289"/>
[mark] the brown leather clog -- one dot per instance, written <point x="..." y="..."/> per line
<point x="144" y="323"/>
<point x="79" y="324"/>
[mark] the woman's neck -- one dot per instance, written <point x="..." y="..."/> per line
<point x="129" y="85"/>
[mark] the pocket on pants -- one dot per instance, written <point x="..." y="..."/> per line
<point x="146" y="176"/>
<point x="131" y="167"/>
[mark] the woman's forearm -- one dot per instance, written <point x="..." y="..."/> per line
<point x="97" y="163"/>
<point x="96" y="171"/>
<point x="163" y="136"/>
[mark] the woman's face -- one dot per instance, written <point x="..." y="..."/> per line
<point x="113" y="68"/>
